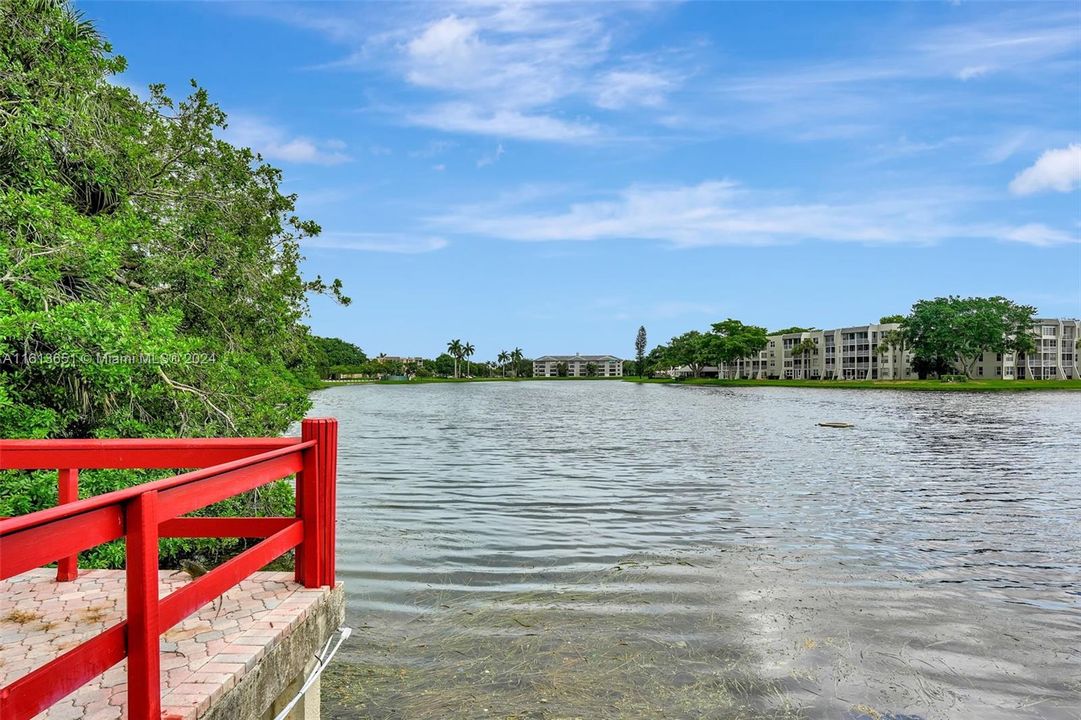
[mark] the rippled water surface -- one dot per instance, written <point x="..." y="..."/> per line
<point x="605" y="549"/>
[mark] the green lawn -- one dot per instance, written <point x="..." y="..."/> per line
<point x="969" y="386"/>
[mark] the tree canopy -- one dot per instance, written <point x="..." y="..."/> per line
<point x="949" y="331"/>
<point x="731" y="340"/>
<point x="793" y="329"/>
<point x="149" y="271"/>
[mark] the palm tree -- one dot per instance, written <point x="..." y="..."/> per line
<point x="504" y="356"/>
<point x="893" y="340"/>
<point x="467" y="352"/>
<point x="804" y="347"/>
<point x="454" y="347"/>
<point x="516" y="358"/>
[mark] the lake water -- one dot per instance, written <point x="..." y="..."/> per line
<point x="612" y="550"/>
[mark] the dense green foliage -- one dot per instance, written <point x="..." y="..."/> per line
<point x="334" y="355"/>
<point x="725" y="342"/>
<point x="791" y="330"/>
<point x="149" y="279"/>
<point x="952" y="331"/>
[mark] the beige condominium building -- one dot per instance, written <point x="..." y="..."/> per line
<point x="864" y="352"/>
<point x="603" y="365"/>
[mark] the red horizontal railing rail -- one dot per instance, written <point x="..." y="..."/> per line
<point x="145" y="513"/>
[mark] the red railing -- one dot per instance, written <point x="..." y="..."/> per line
<point x="145" y="513"/>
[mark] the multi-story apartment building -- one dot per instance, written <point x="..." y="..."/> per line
<point x="605" y="365"/>
<point x="866" y="352"/>
<point x="1056" y="351"/>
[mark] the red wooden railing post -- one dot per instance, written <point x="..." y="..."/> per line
<point x="143" y="634"/>
<point x="67" y="491"/>
<point x="317" y="502"/>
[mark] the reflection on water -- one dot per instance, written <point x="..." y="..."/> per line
<point x="926" y="561"/>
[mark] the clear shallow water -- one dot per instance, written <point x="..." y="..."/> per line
<point x="877" y="568"/>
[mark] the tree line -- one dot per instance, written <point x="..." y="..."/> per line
<point x="944" y="335"/>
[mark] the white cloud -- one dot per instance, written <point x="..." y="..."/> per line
<point x="1057" y="169"/>
<point x="491" y="158"/>
<point x="473" y="119"/>
<point x="721" y="212"/>
<point x="621" y="88"/>
<point x="1040" y="235"/>
<point x="378" y="242"/>
<point x="274" y="143"/>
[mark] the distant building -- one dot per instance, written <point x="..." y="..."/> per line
<point x="861" y="353"/>
<point x="606" y="365"/>
<point x="403" y="360"/>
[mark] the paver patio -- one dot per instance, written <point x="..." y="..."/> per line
<point x="201" y="658"/>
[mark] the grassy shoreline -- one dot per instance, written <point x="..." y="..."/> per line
<point x="437" y="380"/>
<point x="975" y="385"/>
<point x="916" y="385"/>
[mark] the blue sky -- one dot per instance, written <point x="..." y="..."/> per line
<point x="553" y="176"/>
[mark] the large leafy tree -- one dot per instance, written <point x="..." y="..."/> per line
<point x="731" y="340"/>
<point x="336" y="355"/>
<point x="149" y="272"/>
<point x="692" y="349"/>
<point x="955" y="331"/>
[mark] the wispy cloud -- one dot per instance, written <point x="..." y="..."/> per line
<point x="1040" y="235"/>
<point x="510" y="71"/>
<point x="1057" y="169"/>
<point x="722" y="212"/>
<point x="475" y="120"/>
<point x="378" y="242"/>
<point x="491" y="158"/>
<point x="276" y="143"/>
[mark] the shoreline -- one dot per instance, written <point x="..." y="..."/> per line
<point x="975" y="385"/>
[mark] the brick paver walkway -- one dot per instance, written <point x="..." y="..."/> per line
<point x="201" y="658"/>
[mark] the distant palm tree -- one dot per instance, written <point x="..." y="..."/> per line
<point x="516" y="358"/>
<point x="504" y="356"/>
<point x="804" y="347"/>
<point x="467" y="352"/>
<point x="454" y="347"/>
<point x="893" y="340"/>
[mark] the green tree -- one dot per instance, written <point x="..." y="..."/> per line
<point x="731" y="340"/>
<point x="153" y="266"/>
<point x="443" y="366"/>
<point x="792" y="330"/>
<point x="894" y="341"/>
<point x="516" y="358"/>
<point x="149" y="271"/>
<point x="640" y="351"/>
<point x="333" y="355"/>
<point x="955" y="330"/>
<point x="504" y="358"/>
<point x="467" y="352"/>
<point x="562" y="369"/>
<point x="802" y="349"/>
<point x="691" y="349"/>
<point x="457" y="351"/>
<point x="657" y="358"/>
<point x="591" y="369"/>
<point x="891" y="319"/>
